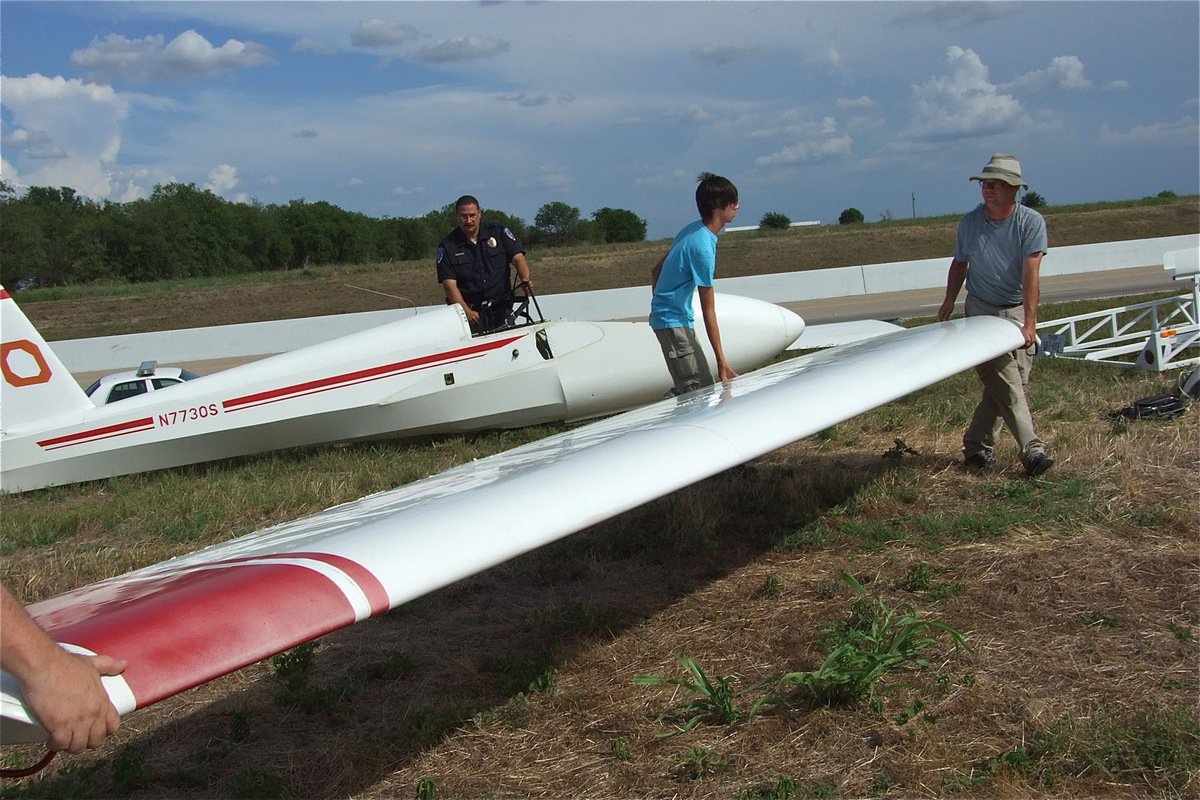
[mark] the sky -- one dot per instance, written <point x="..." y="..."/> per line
<point x="394" y="109"/>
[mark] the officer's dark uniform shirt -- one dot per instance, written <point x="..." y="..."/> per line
<point x="481" y="269"/>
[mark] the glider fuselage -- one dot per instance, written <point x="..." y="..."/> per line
<point x="422" y="375"/>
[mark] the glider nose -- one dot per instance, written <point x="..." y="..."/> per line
<point x="753" y="332"/>
<point x="792" y="323"/>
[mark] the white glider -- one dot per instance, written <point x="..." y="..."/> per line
<point x="192" y="619"/>
<point x="420" y="375"/>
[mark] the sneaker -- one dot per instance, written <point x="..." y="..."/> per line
<point x="980" y="461"/>
<point x="1037" y="464"/>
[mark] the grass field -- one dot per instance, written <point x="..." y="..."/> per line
<point x="1075" y="596"/>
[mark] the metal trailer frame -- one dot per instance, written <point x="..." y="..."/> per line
<point x="1119" y="336"/>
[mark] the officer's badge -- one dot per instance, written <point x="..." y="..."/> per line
<point x="491" y="241"/>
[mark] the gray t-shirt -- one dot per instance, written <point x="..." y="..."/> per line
<point x="995" y="252"/>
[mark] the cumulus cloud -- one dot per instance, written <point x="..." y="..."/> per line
<point x="964" y="103"/>
<point x="1064" y="72"/>
<point x="380" y="33"/>
<point x="65" y="132"/>
<point x="221" y="179"/>
<point x="464" y="48"/>
<point x="21" y="138"/>
<point x="814" y="141"/>
<point x="189" y="56"/>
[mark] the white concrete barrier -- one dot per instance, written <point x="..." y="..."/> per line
<point x="265" y="338"/>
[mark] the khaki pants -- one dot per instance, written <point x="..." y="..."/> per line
<point x="685" y="360"/>
<point x="1004" y="401"/>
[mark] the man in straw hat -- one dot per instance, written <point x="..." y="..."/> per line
<point x="998" y="253"/>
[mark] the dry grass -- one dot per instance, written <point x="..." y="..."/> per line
<point x="1081" y="614"/>
<point x="1077" y="593"/>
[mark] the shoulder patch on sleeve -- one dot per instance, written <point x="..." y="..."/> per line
<point x="509" y="234"/>
<point x="441" y="253"/>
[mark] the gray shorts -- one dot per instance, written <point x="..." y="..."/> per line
<point x="685" y="360"/>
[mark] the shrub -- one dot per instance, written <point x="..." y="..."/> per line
<point x="773" y="220"/>
<point x="850" y="216"/>
<point x="1033" y="200"/>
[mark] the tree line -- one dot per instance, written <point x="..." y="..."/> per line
<point x="54" y="237"/>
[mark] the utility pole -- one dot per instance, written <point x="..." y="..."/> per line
<point x="914" y="197"/>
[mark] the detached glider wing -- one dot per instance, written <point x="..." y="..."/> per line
<point x="420" y="375"/>
<point x="192" y="619"/>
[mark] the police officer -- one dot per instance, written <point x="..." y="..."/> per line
<point x="472" y="266"/>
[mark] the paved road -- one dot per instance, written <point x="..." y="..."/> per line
<point x="1116" y="284"/>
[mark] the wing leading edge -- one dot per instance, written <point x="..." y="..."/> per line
<point x="192" y="619"/>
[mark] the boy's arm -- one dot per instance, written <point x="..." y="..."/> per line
<point x="708" y="309"/>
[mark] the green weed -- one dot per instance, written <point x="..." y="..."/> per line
<point x="702" y="761"/>
<point x="715" y="698"/>
<point x="620" y="749"/>
<point x="876" y="642"/>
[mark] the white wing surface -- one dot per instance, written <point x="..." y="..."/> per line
<point x="192" y="619"/>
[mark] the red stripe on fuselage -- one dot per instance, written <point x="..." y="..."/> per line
<point x="96" y="434"/>
<point x="362" y="376"/>
<point x="288" y="392"/>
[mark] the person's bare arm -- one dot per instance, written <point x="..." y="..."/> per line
<point x="522" y="266"/>
<point x="708" y="309"/>
<point x="1031" y="292"/>
<point x="62" y="689"/>
<point x="954" y="282"/>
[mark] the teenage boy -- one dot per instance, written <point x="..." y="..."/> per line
<point x="689" y="268"/>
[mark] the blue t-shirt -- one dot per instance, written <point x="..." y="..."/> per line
<point x="691" y="262"/>
<point x="996" y="251"/>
